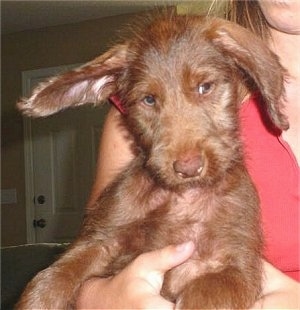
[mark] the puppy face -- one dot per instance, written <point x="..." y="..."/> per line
<point x="181" y="96"/>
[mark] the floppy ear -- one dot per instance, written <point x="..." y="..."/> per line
<point x="253" y="56"/>
<point x="93" y="82"/>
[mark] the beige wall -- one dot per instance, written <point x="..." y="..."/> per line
<point x="28" y="50"/>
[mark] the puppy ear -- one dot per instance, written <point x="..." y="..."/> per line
<point x="253" y="56"/>
<point x="93" y="82"/>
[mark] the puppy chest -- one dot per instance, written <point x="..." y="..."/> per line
<point x="181" y="218"/>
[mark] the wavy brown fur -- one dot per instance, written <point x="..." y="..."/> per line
<point x="181" y="80"/>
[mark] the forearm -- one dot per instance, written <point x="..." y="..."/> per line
<point x="113" y="155"/>
<point x="279" y="292"/>
<point x="88" y="297"/>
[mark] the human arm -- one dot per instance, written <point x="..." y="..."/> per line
<point x="138" y="286"/>
<point x="279" y="291"/>
<point x="113" y="155"/>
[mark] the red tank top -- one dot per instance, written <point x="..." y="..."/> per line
<point x="275" y="172"/>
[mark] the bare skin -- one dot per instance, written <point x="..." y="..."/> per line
<point x="284" y="18"/>
<point x="138" y="285"/>
<point x="114" y="154"/>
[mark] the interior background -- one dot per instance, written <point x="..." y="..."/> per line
<point x="41" y="34"/>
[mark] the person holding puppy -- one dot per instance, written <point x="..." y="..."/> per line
<point x="139" y="284"/>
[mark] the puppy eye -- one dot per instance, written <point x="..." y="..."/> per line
<point x="204" y="88"/>
<point x="149" y="100"/>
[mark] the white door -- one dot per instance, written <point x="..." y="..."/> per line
<point x="60" y="155"/>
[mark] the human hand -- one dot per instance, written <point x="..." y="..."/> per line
<point x="138" y="285"/>
<point x="279" y="291"/>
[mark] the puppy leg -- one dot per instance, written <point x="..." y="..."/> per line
<point x="227" y="289"/>
<point x="56" y="287"/>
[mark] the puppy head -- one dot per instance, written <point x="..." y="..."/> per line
<point x="179" y="79"/>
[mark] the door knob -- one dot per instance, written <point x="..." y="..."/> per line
<point x="39" y="223"/>
<point x="41" y="199"/>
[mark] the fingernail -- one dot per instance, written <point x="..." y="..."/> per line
<point x="184" y="246"/>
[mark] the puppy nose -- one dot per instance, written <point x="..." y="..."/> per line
<point x="188" y="166"/>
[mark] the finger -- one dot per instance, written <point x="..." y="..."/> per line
<point x="166" y="258"/>
<point x="153" y="265"/>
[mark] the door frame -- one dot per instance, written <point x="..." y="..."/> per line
<point x="28" y="77"/>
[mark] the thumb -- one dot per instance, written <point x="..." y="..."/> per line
<point x="172" y="256"/>
<point x="153" y="265"/>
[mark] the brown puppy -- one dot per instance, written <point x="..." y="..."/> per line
<point x="180" y="79"/>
